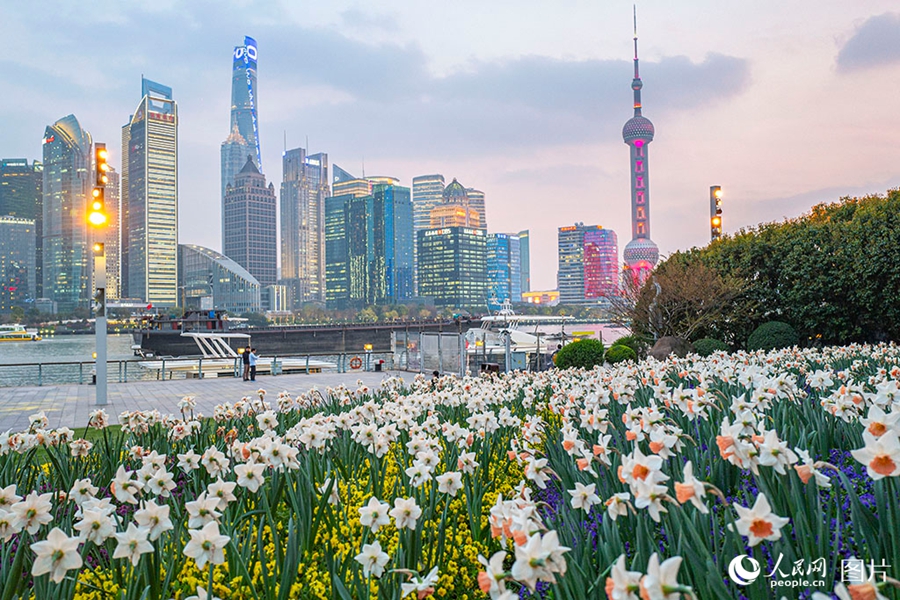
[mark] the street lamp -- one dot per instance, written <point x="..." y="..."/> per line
<point x="98" y="219"/>
<point x="715" y="212"/>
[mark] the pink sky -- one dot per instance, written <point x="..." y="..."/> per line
<point x="782" y="104"/>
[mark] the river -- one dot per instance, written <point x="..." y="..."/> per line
<point x="63" y="348"/>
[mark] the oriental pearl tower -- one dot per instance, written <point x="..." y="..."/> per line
<point x="641" y="254"/>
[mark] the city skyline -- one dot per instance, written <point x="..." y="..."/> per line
<point x="727" y="84"/>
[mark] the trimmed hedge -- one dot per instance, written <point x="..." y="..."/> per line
<point x="706" y="346"/>
<point x="635" y="342"/>
<point x="583" y="354"/>
<point x="772" y="336"/>
<point x="620" y="352"/>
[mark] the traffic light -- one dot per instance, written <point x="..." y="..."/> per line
<point x="715" y="212"/>
<point x="97" y="212"/>
<point x="99" y="248"/>
<point x="99" y="302"/>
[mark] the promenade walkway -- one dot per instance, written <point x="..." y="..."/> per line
<point x="70" y="405"/>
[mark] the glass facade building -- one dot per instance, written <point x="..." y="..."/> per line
<point x="476" y="202"/>
<point x="504" y="268"/>
<point x="244" y="97"/>
<point x="21" y="195"/>
<point x="150" y="208"/>
<point x="452" y="266"/>
<point x="111" y="236"/>
<point x="369" y="247"/>
<point x="525" y="252"/>
<point x="601" y="263"/>
<point x="570" y="274"/>
<point x="18" y="272"/>
<point x="205" y="274"/>
<point x="588" y="263"/>
<point x="67" y="181"/>
<point x="251" y="236"/>
<point x="304" y="188"/>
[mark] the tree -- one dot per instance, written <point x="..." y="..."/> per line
<point x="682" y="298"/>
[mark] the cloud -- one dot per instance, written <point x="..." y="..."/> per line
<point x="354" y="17"/>
<point x="874" y="43"/>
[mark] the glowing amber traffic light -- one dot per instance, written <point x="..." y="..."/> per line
<point x="97" y="216"/>
<point x="716" y="221"/>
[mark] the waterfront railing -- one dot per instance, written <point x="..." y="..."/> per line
<point x="170" y="367"/>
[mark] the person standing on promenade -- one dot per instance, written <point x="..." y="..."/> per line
<point x="245" y="359"/>
<point x="253" y="358"/>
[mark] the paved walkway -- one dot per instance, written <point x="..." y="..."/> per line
<point x="70" y="405"/>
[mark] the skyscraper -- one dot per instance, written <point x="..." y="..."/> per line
<point x="588" y="263"/>
<point x="111" y="236"/>
<point x="476" y="202"/>
<point x="251" y="238"/>
<point x="504" y="268"/>
<point x="244" y="97"/>
<point x="570" y="273"/>
<point x="21" y="195"/>
<point x="427" y="192"/>
<point x="641" y="254"/>
<point x="304" y="189"/>
<point x="68" y="178"/>
<point x="453" y="266"/>
<point x="601" y="263"/>
<point x="150" y="211"/>
<point x="234" y="153"/>
<point x="18" y="281"/>
<point x="525" y="252"/>
<point x="369" y="247"/>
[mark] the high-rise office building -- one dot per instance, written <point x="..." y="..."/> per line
<point x="641" y="253"/>
<point x="343" y="183"/>
<point x="504" y="268"/>
<point x="588" y="263"/>
<point x="476" y="201"/>
<point x="601" y="263"/>
<point x="111" y="236"/>
<point x="453" y="266"/>
<point x="570" y="274"/>
<point x="244" y="97"/>
<point x="210" y="280"/>
<point x="21" y="195"/>
<point x="304" y="189"/>
<point x="251" y="237"/>
<point x="234" y="153"/>
<point x="369" y="247"/>
<point x="67" y="180"/>
<point x="525" y="252"/>
<point x="18" y="273"/>
<point x="454" y="210"/>
<point x="150" y="208"/>
<point x="427" y="192"/>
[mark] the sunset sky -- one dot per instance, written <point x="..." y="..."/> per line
<point x="784" y="105"/>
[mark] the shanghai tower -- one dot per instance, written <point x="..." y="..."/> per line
<point x="243" y="139"/>
<point x="641" y="254"/>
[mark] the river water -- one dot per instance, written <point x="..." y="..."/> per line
<point x="19" y="360"/>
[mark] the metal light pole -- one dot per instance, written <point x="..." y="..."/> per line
<point x="98" y="218"/>
<point x="100" y="321"/>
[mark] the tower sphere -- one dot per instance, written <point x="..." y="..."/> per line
<point x="641" y="250"/>
<point x="638" y="128"/>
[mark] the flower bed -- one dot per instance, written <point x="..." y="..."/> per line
<point x="748" y="475"/>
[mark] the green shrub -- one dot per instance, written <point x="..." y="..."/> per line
<point x="620" y="352"/>
<point x="637" y="343"/>
<point x="706" y="346"/>
<point x="772" y="336"/>
<point x="583" y="354"/>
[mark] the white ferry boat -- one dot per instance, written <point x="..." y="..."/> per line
<point x="17" y="333"/>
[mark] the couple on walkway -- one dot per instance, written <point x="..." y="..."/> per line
<point x="249" y="358"/>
